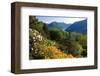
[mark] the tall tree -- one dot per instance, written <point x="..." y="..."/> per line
<point x="46" y="30"/>
<point x="32" y="21"/>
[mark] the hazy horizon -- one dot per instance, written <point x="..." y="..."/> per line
<point x="67" y="20"/>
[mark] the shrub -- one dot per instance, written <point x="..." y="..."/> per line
<point x="84" y="53"/>
<point x="46" y="50"/>
<point x="56" y="34"/>
<point x="57" y="53"/>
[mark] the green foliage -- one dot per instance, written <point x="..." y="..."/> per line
<point x="78" y="50"/>
<point x="46" y="31"/>
<point x="70" y="45"/>
<point x="69" y="42"/>
<point x="50" y="43"/>
<point x="42" y="48"/>
<point x="56" y="34"/>
<point x="84" y="53"/>
<point x="36" y="25"/>
<point x="32" y="21"/>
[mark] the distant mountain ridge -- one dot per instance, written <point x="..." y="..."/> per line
<point x="80" y="26"/>
<point x="59" y="25"/>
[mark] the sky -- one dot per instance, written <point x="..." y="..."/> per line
<point x="67" y="20"/>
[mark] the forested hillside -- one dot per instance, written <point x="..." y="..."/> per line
<point x="53" y="43"/>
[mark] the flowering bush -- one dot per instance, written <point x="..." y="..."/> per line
<point x="57" y="53"/>
<point x="36" y="36"/>
<point x="42" y="48"/>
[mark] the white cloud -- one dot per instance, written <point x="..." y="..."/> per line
<point x="49" y="19"/>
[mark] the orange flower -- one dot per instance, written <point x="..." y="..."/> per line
<point x="57" y="53"/>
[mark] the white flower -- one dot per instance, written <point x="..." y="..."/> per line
<point x="31" y="48"/>
<point x="38" y="36"/>
<point x="34" y="34"/>
<point x="36" y="50"/>
<point x="33" y="38"/>
<point x="30" y="30"/>
<point x="35" y="43"/>
<point x="40" y="39"/>
<point x="35" y="31"/>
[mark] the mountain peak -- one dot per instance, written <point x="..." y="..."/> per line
<point x="58" y="25"/>
<point x="79" y="26"/>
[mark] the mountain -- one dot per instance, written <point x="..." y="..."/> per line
<point x="58" y="25"/>
<point x="80" y="26"/>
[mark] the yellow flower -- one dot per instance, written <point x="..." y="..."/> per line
<point x="57" y="53"/>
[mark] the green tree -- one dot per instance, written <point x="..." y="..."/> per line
<point x="46" y="30"/>
<point x="84" y="53"/>
<point x="69" y="43"/>
<point x="32" y="21"/>
<point x="34" y="24"/>
<point x="56" y="34"/>
<point x="72" y="47"/>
